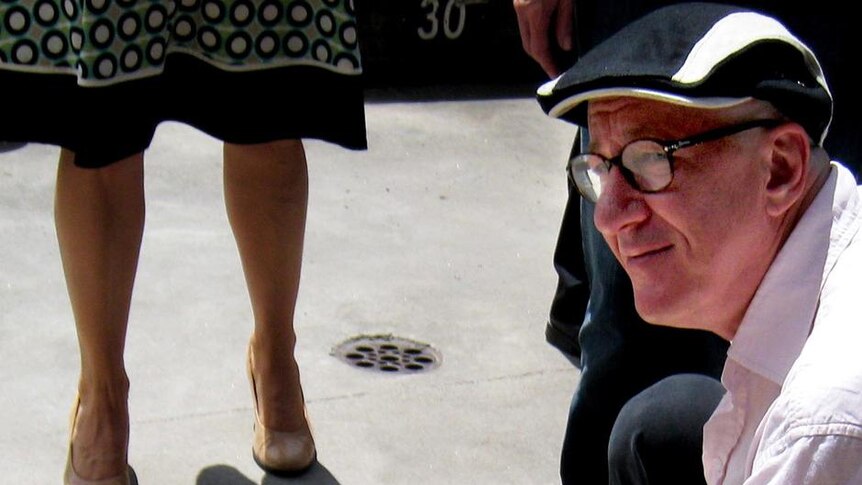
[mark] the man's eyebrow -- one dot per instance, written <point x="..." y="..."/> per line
<point x="631" y="134"/>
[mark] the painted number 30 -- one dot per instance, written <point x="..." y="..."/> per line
<point x="432" y="27"/>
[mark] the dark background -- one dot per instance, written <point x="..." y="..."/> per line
<point x="409" y="43"/>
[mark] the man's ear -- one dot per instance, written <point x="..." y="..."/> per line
<point x="789" y="152"/>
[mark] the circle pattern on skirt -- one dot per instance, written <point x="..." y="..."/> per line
<point x="109" y="39"/>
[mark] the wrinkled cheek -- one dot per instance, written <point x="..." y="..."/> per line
<point x="614" y="247"/>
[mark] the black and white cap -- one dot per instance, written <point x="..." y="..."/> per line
<point x="701" y="55"/>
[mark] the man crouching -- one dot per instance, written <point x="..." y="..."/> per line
<point x="712" y="189"/>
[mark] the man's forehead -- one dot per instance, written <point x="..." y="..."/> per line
<point x="634" y="107"/>
<point x="638" y="115"/>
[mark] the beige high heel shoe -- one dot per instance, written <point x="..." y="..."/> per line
<point x="281" y="453"/>
<point x="70" y="477"/>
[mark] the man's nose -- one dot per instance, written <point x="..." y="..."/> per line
<point x="619" y="204"/>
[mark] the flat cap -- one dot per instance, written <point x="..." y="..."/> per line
<point x="703" y="55"/>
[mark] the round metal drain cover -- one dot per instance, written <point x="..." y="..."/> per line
<point x="389" y="354"/>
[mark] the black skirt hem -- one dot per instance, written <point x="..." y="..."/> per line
<point x="106" y="124"/>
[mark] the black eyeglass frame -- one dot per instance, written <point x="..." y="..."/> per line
<point x="667" y="146"/>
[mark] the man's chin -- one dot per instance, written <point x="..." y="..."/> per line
<point x="658" y="310"/>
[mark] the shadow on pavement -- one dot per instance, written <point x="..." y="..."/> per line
<point x="449" y="92"/>
<point x="227" y="475"/>
<point x="8" y="146"/>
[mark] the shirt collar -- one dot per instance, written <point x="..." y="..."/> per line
<point x="778" y="320"/>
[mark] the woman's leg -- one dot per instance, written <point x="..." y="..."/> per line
<point x="266" y="195"/>
<point x="99" y="216"/>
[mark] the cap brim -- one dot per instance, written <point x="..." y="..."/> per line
<point x="567" y="104"/>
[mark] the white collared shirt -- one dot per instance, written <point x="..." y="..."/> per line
<point x="793" y="410"/>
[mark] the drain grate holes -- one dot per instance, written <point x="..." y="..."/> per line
<point x="388" y="354"/>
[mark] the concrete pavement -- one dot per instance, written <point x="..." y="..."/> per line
<point x="442" y="232"/>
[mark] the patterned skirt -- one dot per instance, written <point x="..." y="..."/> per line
<point x="98" y="76"/>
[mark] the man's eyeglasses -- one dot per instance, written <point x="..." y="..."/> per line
<point x="647" y="165"/>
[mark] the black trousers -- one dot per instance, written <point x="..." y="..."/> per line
<point x="658" y="435"/>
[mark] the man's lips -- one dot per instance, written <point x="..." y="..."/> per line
<point x="636" y="254"/>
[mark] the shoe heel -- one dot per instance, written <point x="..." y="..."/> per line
<point x="70" y="477"/>
<point x="280" y="453"/>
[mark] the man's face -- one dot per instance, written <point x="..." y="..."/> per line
<point x="696" y="251"/>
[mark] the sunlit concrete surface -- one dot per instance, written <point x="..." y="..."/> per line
<point x="442" y="232"/>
